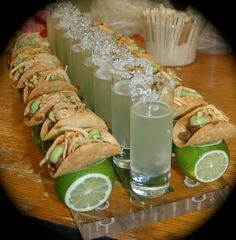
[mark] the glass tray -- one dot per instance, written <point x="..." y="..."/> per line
<point x="125" y="211"/>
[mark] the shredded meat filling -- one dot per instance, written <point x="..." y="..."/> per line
<point x="185" y="136"/>
<point x="192" y="129"/>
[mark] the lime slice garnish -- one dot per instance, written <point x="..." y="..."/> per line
<point x="211" y="166"/>
<point x="203" y="163"/>
<point x="88" y="188"/>
<point x="88" y="192"/>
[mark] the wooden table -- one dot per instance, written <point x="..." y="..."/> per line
<point x="31" y="188"/>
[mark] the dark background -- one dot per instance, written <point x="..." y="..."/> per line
<point x="13" y="14"/>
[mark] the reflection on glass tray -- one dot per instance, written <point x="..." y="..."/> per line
<point x="125" y="211"/>
<point x="124" y="177"/>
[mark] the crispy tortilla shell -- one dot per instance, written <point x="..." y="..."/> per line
<point x="187" y="104"/>
<point x="86" y="155"/>
<point x="40" y="115"/>
<point x="26" y="36"/>
<point x="32" y="51"/>
<point x="76" y="120"/>
<point x="41" y="62"/>
<point x="211" y="132"/>
<point x="29" y="72"/>
<point x="45" y="87"/>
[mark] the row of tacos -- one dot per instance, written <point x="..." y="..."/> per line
<point x="80" y="138"/>
<point x="52" y="101"/>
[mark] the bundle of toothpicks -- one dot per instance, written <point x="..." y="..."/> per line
<point x="172" y="35"/>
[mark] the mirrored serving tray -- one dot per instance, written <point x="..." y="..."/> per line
<point x="125" y="210"/>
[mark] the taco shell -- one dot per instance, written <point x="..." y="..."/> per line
<point x="87" y="154"/>
<point x="211" y="132"/>
<point x="186" y="104"/>
<point x="46" y="103"/>
<point x="31" y="51"/>
<point x="40" y="62"/>
<point x="30" y="71"/>
<point x="46" y="87"/>
<point x="83" y="119"/>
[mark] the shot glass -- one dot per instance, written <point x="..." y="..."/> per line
<point x="102" y="95"/>
<point x="66" y="49"/>
<point x="59" y="42"/>
<point x="51" y="22"/>
<point x="76" y="67"/>
<point x="88" y="80"/>
<point x="123" y="71"/>
<point x="151" y="139"/>
<point x="121" y="118"/>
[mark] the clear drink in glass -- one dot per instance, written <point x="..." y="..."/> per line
<point x="76" y="67"/>
<point x="102" y="95"/>
<point x="51" y="32"/>
<point x="121" y="121"/>
<point x="88" y="82"/>
<point x="151" y="137"/>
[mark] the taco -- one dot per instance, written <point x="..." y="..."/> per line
<point x="78" y="149"/>
<point x="37" y="109"/>
<point x="46" y="87"/>
<point x="166" y="73"/>
<point x="185" y="100"/>
<point x="37" y="63"/>
<point x="26" y="53"/>
<point x="64" y="116"/>
<point x="24" y="41"/>
<point x="47" y="81"/>
<point x="28" y="39"/>
<point x="203" y="125"/>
